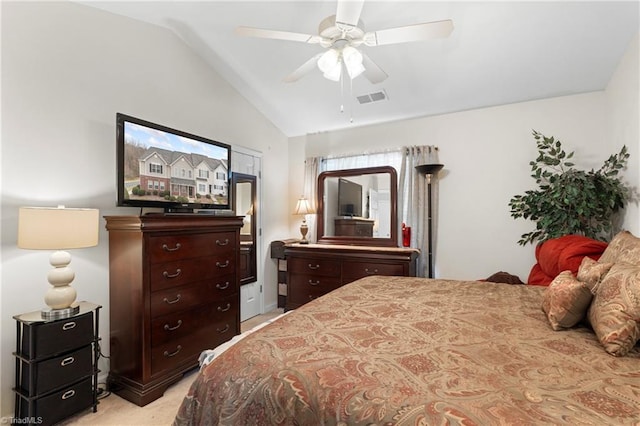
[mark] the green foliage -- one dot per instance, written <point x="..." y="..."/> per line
<point x="570" y="201"/>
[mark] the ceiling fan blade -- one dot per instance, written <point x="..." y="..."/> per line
<point x="303" y="70"/>
<point x="417" y="32"/>
<point x="348" y="12"/>
<point x="372" y="71"/>
<point x="279" y="35"/>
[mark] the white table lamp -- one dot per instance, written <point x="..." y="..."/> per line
<point x="303" y="207"/>
<point x="58" y="228"/>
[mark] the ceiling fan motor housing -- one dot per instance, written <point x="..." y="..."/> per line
<point x="332" y="33"/>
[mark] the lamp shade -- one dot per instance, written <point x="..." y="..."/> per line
<point x="329" y="63"/>
<point x="353" y="61"/>
<point x="57" y="228"/>
<point x="429" y="169"/>
<point x="303" y="206"/>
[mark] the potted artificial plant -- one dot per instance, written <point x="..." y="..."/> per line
<point x="568" y="200"/>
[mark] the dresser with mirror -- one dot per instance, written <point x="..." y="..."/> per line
<point x="357" y="235"/>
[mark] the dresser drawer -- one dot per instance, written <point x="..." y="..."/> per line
<point x="177" y="325"/>
<point x="180" y="272"/>
<point x="176" y="299"/>
<point x="56" y="372"/>
<point x="352" y="271"/>
<point x="304" y="287"/>
<point x="220" y="327"/>
<point x="164" y="248"/>
<point x="45" y="339"/>
<point x="59" y="405"/>
<point x="320" y="267"/>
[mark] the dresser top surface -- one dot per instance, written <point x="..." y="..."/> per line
<point x="36" y="316"/>
<point x="354" y="248"/>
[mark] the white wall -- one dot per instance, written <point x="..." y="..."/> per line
<point x="624" y="120"/>
<point x="486" y="153"/>
<point x="66" y="70"/>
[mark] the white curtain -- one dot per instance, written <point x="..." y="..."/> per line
<point x="309" y="191"/>
<point x="413" y="203"/>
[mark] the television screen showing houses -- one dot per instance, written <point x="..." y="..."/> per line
<point x="163" y="166"/>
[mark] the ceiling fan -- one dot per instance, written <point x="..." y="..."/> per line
<point x="342" y="34"/>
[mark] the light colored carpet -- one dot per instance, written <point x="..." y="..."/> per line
<point x="115" y="411"/>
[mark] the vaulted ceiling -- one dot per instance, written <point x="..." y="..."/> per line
<point x="498" y="53"/>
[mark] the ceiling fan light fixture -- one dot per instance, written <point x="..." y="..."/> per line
<point x="352" y="59"/>
<point x="334" y="73"/>
<point x="329" y="61"/>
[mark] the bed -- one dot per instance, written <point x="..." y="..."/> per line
<point x="401" y="350"/>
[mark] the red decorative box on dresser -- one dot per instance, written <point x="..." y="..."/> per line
<point x="173" y="292"/>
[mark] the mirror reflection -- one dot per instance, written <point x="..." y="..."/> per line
<point x="244" y="206"/>
<point x="358" y="206"/>
<point x="244" y="187"/>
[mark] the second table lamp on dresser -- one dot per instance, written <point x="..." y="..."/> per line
<point x="58" y="228"/>
<point x="303" y="208"/>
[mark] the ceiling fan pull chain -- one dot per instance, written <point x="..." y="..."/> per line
<point x="341" y="90"/>
<point x="351" y="101"/>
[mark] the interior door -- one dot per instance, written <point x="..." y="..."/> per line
<point x="250" y="298"/>
<point x="247" y="163"/>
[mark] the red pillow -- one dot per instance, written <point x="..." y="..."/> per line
<point x="563" y="254"/>
<point x="538" y="277"/>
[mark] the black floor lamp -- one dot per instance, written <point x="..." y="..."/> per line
<point x="429" y="170"/>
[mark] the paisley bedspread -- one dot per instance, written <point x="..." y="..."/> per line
<point x="416" y="351"/>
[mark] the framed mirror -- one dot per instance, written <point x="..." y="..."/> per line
<point x="244" y="200"/>
<point x="358" y="207"/>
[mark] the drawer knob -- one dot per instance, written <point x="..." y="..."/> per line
<point x="168" y="275"/>
<point x="222" y="265"/>
<point x="370" y="271"/>
<point x="314" y="266"/>
<point x="69" y="325"/>
<point x="68" y="394"/>
<point x="223" y="330"/>
<point x="222" y="243"/>
<point x="174" y="353"/>
<point x="67" y="361"/>
<point x="167" y="327"/>
<point x="225" y="309"/>
<point x="314" y="282"/>
<point x="171" y="302"/>
<point x="167" y="248"/>
<point x="222" y="286"/>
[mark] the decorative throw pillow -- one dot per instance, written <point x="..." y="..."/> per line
<point x="591" y="272"/>
<point x="504" y="277"/>
<point x="624" y="247"/>
<point x="614" y="313"/>
<point x="566" y="301"/>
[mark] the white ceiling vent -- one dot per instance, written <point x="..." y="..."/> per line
<point x="372" y="97"/>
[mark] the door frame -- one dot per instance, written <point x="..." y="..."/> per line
<point x="254" y="169"/>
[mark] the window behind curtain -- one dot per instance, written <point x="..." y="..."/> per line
<point x="389" y="158"/>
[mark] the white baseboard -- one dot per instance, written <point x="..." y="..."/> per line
<point x="270" y="307"/>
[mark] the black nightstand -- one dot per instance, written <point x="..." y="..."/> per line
<point x="56" y="365"/>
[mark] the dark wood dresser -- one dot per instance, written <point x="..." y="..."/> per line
<point x="173" y="292"/>
<point x="315" y="269"/>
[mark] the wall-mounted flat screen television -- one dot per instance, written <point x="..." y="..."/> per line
<point x="158" y="166"/>
<point x="349" y="198"/>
